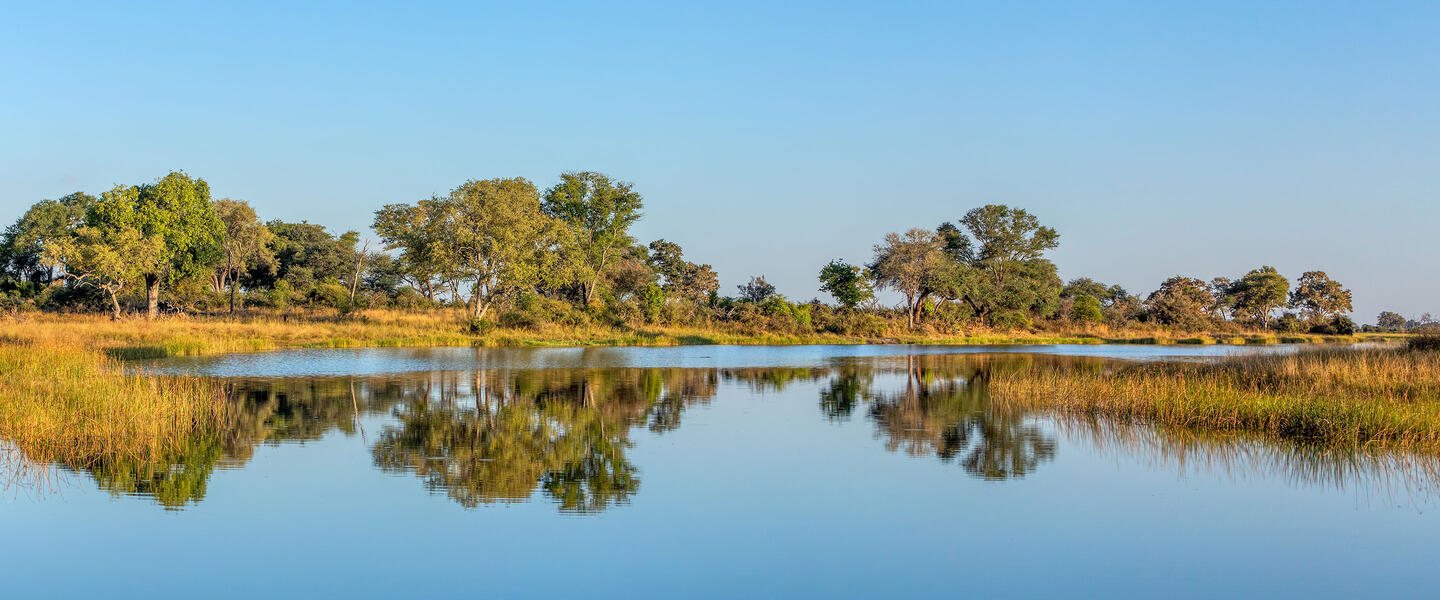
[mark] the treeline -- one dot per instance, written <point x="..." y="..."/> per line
<point x="514" y="255"/>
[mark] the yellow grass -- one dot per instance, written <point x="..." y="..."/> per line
<point x="64" y="404"/>
<point x="1385" y="396"/>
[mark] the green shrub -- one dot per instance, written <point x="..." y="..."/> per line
<point x="1087" y="309"/>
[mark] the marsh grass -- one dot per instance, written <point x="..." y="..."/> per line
<point x="67" y="405"/>
<point x="1377" y="396"/>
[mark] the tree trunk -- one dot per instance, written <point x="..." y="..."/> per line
<point x="152" y="296"/>
<point x="115" y="305"/>
<point x="229" y="269"/>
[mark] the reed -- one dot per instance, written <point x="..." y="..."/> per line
<point x="61" y="403"/>
<point x="1386" y="396"/>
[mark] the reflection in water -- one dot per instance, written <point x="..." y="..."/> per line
<point x="500" y="435"/>
<point x="565" y="431"/>
<point x="942" y="409"/>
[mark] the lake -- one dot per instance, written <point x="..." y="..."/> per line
<point x="711" y="471"/>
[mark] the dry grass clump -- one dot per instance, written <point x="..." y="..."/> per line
<point x="1388" y="396"/>
<point x="64" y="404"/>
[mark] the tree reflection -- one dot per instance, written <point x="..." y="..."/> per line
<point x="262" y="412"/>
<point x="943" y="409"/>
<point x="564" y="431"/>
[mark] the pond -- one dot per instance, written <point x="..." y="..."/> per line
<point x="815" y="471"/>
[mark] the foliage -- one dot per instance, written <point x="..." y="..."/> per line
<point x="757" y="290"/>
<point x="1087" y="309"/>
<point x="1183" y="302"/>
<point x="176" y="209"/>
<point x="1391" y="320"/>
<point x="848" y="284"/>
<point x="600" y="212"/>
<point x="1319" y="297"/>
<point x="914" y="264"/>
<point x="1259" y="293"/>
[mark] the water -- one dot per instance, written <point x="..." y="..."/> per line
<point x="711" y="472"/>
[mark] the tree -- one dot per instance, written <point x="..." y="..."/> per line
<point x="600" y="211"/>
<point x="1007" y="277"/>
<point x="681" y="277"/>
<point x="1319" y="297"/>
<point x="1182" y="302"/>
<point x="176" y="209"/>
<point x="1085" y="286"/>
<point x="1391" y="320"/>
<point x="419" y="232"/>
<point x="757" y="290"/>
<point x="107" y="259"/>
<point x="500" y="238"/>
<point x="246" y="243"/>
<point x="914" y="264"/>
<point x="848" y="284"/>
<point x="1259" y="293"/>
<point x="306" y="255"/>
<point x="1087" y="309"/>
<point x="23" y="244"/>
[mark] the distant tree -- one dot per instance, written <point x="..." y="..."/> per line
<point x="914" y="264"/>
<point x="757" y="290"/>
<point x="1318" y="297"/>
<point x="306" y="256"/>
<point x="1259" y="293"/>
<point x="109" y="259"/>
<point x="682" y="278"/>
<point x="600" y="211"/>
<point x="847" y="283"/>
<point x="1087" y="309"/>
<point x="1182" y="302"/>
<point x="175" y="209"/>
<point x="1391" y="320"/>
<point x="246" y="244"/>
<point x="1221" y="289"/>
<point x="1085" y="286"/>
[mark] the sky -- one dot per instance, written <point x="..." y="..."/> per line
<point x="768" y="138"/>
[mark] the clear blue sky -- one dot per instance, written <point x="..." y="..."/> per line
<point x="1159" y="140"/>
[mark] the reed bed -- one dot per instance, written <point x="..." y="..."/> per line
<point x="64" y="404"/>
<point x="1377" y="396"/>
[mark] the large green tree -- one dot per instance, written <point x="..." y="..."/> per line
<point x="1259" y="293"/>
<point x="176" y="209"/>
<point x="502" y="242"/>
<point x="1006" y="279"/>
<point x="682" y="278"/>
<point x="1319" y="297"/>
<point x="600" y="211"/>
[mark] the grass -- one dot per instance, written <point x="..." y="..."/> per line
<point x="61" y="403"/>
<point x="200" y="335"/>
<point x="1383" y="396"/>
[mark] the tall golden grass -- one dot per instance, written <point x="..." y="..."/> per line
<point x="64" y="404"/>
<point x="1378" y="396"/>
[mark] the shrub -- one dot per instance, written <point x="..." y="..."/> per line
<point x="1087" y="309"/>
<point x="1429" y="342"/>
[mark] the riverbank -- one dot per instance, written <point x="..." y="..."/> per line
<point x="198" y="335"/>
<point x="1385" y="397"/>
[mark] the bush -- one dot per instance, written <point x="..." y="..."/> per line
<point x="1429" y="342"/>
<point x="1340" y="325"/>
<point x="1087" y="309"/>
<point x="1289" y="323"/>
<point x="476" y="326"/>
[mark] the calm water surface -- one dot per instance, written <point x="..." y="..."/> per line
<point x="818" y="471"/>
